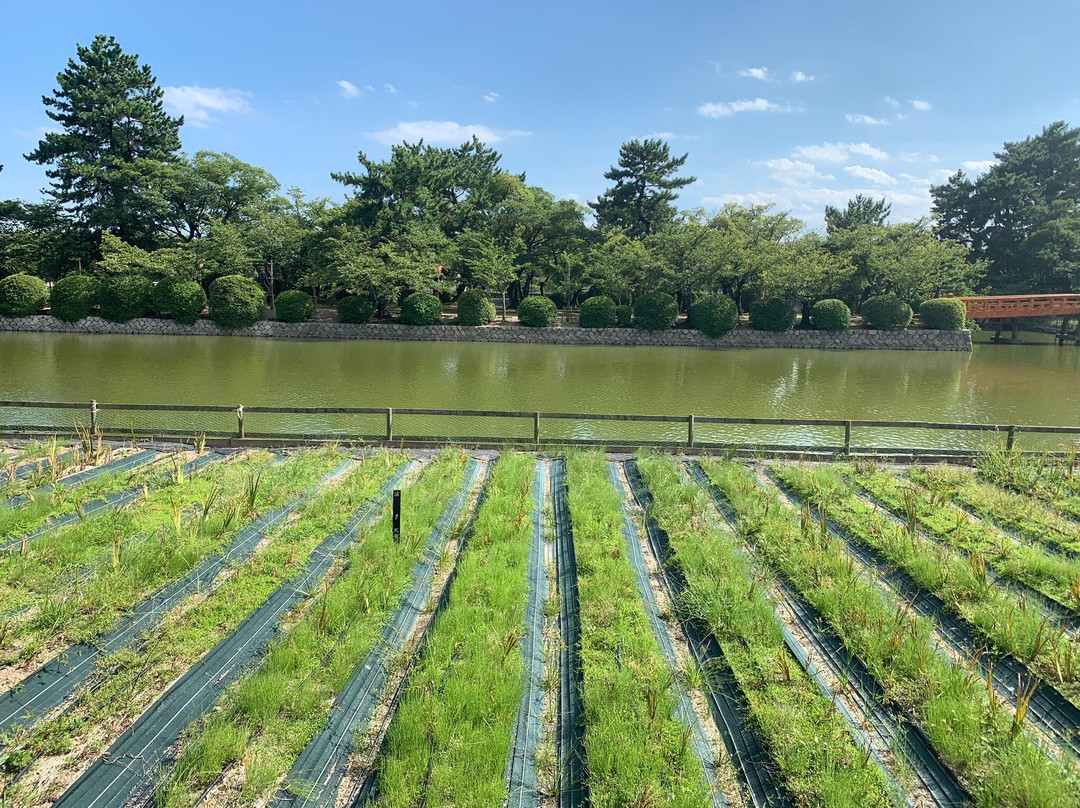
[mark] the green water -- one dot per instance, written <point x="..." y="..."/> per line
<point x="1020" y="384"/>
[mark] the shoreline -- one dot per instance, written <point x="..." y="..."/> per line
<point x="855" y="339"/>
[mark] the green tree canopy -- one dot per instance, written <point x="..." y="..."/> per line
<point x="1023" y="215"/>
<point x="115" y="139"/>
<point x="862" y="210"/>
<point x="645" y="186"/>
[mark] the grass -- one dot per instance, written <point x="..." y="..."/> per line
<point x="639" y="752"/>
<point x="1055" y="576"/>
<point x="74" y="584"/>
<point x="271" y="715"/>
<point x="974" y="733"/>
<point x="814" y="750"/>
<point x="451" y="736"/>
<point x="1008" y="624"/>
<point x="61" y="500"/>
<point x="1012" y="511"/>
<point x="1051" y="479"/>
<point x="131" y="678"/>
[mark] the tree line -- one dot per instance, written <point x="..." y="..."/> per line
<point x="123" y="198"/>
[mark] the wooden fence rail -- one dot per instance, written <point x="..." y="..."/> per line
<point x="94" y="409"/>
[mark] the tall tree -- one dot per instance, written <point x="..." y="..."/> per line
<point x="645" y="186"/>
<point x="1022" y="215"/>
<point x="211" y="188"/>
<point x="860" y="211"/>
<point x="116" y="138"/>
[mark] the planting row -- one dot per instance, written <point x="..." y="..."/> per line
<point x="255" y="628"/>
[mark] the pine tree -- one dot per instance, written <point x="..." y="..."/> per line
<point x="116" y="137"/>
<point x="645" y="186"/>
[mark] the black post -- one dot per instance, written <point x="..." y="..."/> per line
<point x="397" y="515"/>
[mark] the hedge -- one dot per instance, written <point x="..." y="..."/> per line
<point x="597" y="312"/>
<point x="22" y="295"/>
<point x="355" y="309"/>
<point x="714" y="315"/>
<point x="772" y="314"/>
<point x="537" y="312"/>
<point x="294" y="306"/>
<point x="474" y="308"/>
<point x="72" y="297"/>
<point x="830" y="315"/>
<point x="125" y="297"/>
<point x="887" y="313"/>
<point x="655" y="311"/>
<point x="946" y="313"/>
<point x="236" y="301"/>
<point x="421" y="308"/>
<point x="182" y="300"/>
<point x="624" y="316"/>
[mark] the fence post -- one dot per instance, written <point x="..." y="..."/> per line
<point x="93" y="418"/>
<point x="690" y="431"/>
<point x="240" y="421"/>
<point x="847" y="437"/>
<point x="1012" y="437"/>
<point x="389" y="424"/>
<point x="536" y="428"/>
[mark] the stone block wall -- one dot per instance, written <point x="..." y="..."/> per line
<point x="859" y="339"/>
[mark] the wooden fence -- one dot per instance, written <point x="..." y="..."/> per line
<point x="89" y="415"/>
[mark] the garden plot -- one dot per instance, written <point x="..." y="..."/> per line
<point x="544" y="632"/>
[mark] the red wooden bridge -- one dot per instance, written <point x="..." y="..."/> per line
<point x="1009" y="306"/>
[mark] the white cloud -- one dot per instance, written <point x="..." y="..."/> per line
<point x="858" y="117"/>
<point x="793" y="172"/>
<point x="716" y="66"/>
<point x="839" y="152"/>
<point x="348" y="89"/>
<point x="797" y="77"/>
<point x="977" y="166"/>
<point x="390" y="88"/>
<point x="445" y="132"/>
<point x="668" y="136"/>
<point x="490" y="98"/>
<point x="36" y="134"/>
<point x="197" y="104"/>
<point x="874" y="175"/>
<point x="920" y="105"/>
<point x="892" y="102"/>
<point x="719" y="109"/>
<point x="759" y="73"/>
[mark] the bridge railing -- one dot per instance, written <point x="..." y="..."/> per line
<point x="1002" y="306"/>
<point x="241" y="424"/>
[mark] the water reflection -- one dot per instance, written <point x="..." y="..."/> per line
<point x="1036" y="384"/>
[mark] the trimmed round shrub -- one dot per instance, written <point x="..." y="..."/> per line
<point x="714" y="315"/>
<point x="294" y="306"/>
<point x="772" y="314"/>
<point x="236" y="301"/>
<point x="946" y="313"/>
<point x="624" y="316"/>
<point x="421" y="308"/>
<point x="830" y="315"/>
<point x="597" y="312"/>
<point x="537" y="312"/>
<point x="355" y="309"/>
<point x="125" y="297"/>
<point x="887" y="313"/>
<point x="22" y="295"/>
<point x="72" y="297"/>
<point x="474" y="308"/>
<point x="179" y="299"/>
<point x="655" y="311"/>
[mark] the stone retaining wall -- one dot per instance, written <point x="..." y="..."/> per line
<point x="859" y="339"/>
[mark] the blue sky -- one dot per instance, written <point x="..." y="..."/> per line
<point x="791" y="103"/>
